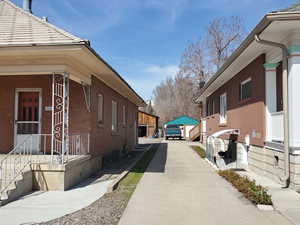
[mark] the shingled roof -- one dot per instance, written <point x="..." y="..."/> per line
<point x="19" y="27"/>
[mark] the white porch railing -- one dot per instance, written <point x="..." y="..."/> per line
<point x="277" y="130"/>
<point x="36" y="148"/>
<point x="14" y="163"/>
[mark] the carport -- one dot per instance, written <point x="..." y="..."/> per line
<point x="186" y="124"/>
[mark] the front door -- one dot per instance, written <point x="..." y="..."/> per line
<point x="27" y="119"/>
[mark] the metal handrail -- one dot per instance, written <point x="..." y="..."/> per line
<point x="11" y="167"/>
<point x="15" y="162"/>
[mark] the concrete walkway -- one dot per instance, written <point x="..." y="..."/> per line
<point x="179" y="188"/>
<point x="45" y="206"/>
<point x="285" y="200"/>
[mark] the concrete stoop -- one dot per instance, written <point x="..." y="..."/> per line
<point x="21" y="186"/>
<point x="51" y="177"/>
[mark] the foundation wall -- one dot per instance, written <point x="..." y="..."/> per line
<point x="49" y="177"/>
<point x="270" y="163"/>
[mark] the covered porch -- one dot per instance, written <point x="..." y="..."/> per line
<point x="45" y="127"/>
<point x="38" y="118"/>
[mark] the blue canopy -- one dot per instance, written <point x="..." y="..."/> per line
<point x="183" y="120"/>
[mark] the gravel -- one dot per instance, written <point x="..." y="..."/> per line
<point x="105" y="211"/>
<point x="109" y="208"/>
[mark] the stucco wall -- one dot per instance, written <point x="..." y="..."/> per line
<point x="249" y="115"/>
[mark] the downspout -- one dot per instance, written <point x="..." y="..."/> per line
<point x="286" y="179"/>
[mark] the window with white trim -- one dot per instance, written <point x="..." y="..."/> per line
<point x="114" y="116"/>
<point x="246" y="89"/>
<point x="223" y="108"/>
<point x="100" y="109"/>
<point x="124" y="115"/>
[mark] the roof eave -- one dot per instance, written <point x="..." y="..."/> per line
<point x="260" y="27"/>
<point x="86" y="44"/>
<point x="42" y="44"/>
<point x="149" y="114"/>
<point x="142" y="102"/>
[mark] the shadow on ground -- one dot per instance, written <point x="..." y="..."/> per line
<point x="158" y="163"/>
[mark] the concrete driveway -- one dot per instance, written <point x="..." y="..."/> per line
<point x="179" y="188"/>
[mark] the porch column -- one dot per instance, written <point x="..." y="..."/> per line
<point x="271" y="96"/>
<point x="60" y="115"/>
<point x="294" y="97"/>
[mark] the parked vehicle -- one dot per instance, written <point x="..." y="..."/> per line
<point x="173" y="131"/>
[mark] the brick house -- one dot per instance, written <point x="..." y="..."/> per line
<point x="251" y="101"/>
<point x="59" y="97"/>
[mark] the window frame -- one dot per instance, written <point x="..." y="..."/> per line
<point x="114" y="116"/>
<point x="124" y="114"/>
<point x="223" y="108"/>
<point x="248" y="80"/>
<point x="100" y="111"/>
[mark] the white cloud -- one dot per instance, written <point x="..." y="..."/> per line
<point x="162" y="71"/>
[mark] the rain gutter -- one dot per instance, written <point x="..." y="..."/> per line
<point x="285" y="54"/>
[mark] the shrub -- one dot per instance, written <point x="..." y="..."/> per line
<point x="200" y="151"/>
<point x="255" y="193"/>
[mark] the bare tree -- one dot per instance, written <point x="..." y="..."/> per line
<point x="192" y="61"/>
<point x="223" y="36"/>
<point x="174" y="97"/>
<point x="148" y="108"/>
<point x="193" y="66"/>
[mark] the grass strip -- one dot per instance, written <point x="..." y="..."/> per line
<point x="253" y="192"/>
<point x="109" y="208"/>
<point x="129" y="183"/>
<point x="200" y="151"/>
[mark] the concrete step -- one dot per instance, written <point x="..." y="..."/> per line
<point x="11" y="182"/>
<point x="17" y="188"/>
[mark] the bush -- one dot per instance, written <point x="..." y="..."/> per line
<point x="255" y="193"/>
<point x="200" y="151"/>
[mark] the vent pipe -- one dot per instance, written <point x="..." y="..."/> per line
<point x="27" y="5"/>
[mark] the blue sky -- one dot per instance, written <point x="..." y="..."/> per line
<point x="143" y="39"/>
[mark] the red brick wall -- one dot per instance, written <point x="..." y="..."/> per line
<point x="103" y="140"/>
<point x="249" y="115"/>
<point x="81" y="121"/>
<point x="8" y="85"/>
